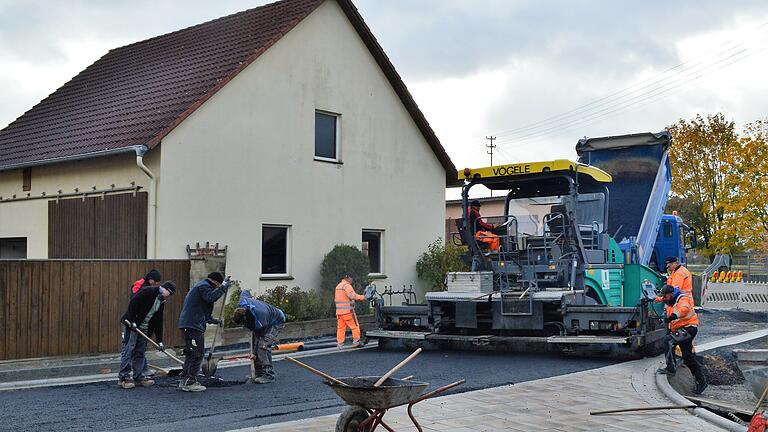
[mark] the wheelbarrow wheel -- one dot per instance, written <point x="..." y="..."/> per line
<point x="350" y="419"/>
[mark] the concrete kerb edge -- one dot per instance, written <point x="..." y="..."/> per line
<point x="662" y="382"/>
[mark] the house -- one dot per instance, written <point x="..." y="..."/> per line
<point x="279" y="131"/>
<point x="489" y="206"/>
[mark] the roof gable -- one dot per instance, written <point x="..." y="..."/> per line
<point x="135" y="95"/>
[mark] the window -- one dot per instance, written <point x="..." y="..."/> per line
<point x="13" y="248"/>
<point x="326" y="136"/>
<point x="667" y="230"/>
<point x="372" y="249"/>
<point x="274" y="250"/>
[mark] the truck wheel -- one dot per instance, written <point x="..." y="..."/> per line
<point x="350" y="419"/>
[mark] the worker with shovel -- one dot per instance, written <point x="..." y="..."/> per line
<point x="683" y="327"/>
<point x="145" y="313"/>
<point x="195" y="314"/>
<point x="265" y="321"/>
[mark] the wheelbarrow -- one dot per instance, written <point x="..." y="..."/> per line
<point x="368" y="404"/>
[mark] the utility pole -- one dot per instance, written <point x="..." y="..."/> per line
<point x="490" y="146"/>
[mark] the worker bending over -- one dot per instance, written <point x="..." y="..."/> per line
<point x="683" y="325"/>
<point x="145" y="313"/>
<point x="345" y="297"/>
<point x="265" y="322"/>
<point x="195" y="314"/>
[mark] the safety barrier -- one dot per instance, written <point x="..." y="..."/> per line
<point x="752" y="296"/>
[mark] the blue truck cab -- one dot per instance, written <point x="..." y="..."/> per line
<point x="673" y="239"/>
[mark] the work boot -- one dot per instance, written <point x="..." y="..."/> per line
<point x="263" y="379"/>
<point x="665" y="371"/>
<point x="339" y="345"/>
<point x="145" y="382"/>
<point x="357" y="344"/>
<point x="700" y="387"/>
<point x="125" y="384"/>
<point x="191" y="385"/>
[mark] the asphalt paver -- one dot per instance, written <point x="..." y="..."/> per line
<point x="294" y="395"/>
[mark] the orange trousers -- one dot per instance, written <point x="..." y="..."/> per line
<point x="344" y="321"/>
<point x="489" y="238"/>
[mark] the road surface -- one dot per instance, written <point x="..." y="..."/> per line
<point x="295" y="394"/>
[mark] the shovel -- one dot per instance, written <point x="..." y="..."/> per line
<point x="211" y="363"/>
<point x="170" y="372"/>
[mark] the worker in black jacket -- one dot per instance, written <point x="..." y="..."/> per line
<point x="195" y="314"/>
<point x="145" y="313"/>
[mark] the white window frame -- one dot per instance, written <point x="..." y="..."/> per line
<point x="382" y="272"/>
<point x="288" y="253"/>
<point x="337" y="116"/>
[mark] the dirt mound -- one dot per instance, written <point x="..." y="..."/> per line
<point x="721" y="369"/>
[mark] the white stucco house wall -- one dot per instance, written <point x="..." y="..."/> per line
<point x="279" y="132"/>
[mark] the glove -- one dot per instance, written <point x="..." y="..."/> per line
<point x="671" y="318"/>
<point x="225" y="285"/>
<point x="134" y="327"/>
<point x="214" y="321"/>
<point x="161" y="347"/>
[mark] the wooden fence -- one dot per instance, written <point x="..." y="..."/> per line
<point x="65" y="307"/>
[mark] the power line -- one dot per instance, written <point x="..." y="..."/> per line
<point x="635" y="100"/>
<point x="685" y="68"/>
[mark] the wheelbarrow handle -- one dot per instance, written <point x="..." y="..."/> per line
<point x="437" y="391"/>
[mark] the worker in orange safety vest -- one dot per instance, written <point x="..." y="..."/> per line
<point x="345" y="297"/>
<point x="679" y="276"/>
<point x="683" y="326"/>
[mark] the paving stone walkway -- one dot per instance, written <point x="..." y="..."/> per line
<point x="560" y="403"/>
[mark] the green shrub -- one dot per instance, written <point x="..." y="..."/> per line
<point x="341" y="260"/>
<point x="297" y="305"/>
<point x="434" y="264"/>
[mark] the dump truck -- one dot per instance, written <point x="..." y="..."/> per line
<point x="567" y="270"/>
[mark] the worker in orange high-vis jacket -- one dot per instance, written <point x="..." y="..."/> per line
<point x="345" y="297"/>
<point x="683" y="326"/>
<point x="679" y="276"/>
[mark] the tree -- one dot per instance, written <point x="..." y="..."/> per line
<point x="701" y="158"/>
<point x="750" y="182"/>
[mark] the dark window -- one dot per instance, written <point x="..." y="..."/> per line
<point x="13" y="248"/>
<point x="325" y="136"/>
<point x="372" y="249"/>
<point x="26" y="185"/>
<point x="667" y="230"/>
<point x="274" y="250"/>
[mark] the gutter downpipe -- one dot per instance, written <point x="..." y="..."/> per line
<point x="152" y="216"/>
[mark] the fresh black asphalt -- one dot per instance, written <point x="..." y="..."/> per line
<point x="294" y="395"/>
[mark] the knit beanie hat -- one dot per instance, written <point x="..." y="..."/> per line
<point x="216" y="276"/>
<point x="170" y="286"/>
<point x="154" y="275"/>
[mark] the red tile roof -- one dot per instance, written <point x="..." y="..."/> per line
<point x="136" y="94"/>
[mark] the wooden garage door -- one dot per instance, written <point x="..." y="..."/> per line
<point x="108" y="227"/>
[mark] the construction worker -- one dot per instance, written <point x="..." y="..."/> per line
<point x="152" y="278"/>
<point x="483" y="231"/>
<point x="678" y="276"/>
<point x="265" y="321"/>
<point x="683" y="327"/>
<point x="145" y="313"/>
<point x="195" y="314"/>
<point x="345" y="297"/>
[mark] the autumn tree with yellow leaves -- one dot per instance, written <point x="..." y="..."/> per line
<point x="720" y="181"/>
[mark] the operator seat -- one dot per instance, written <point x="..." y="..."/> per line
<point x="556" y="224"/>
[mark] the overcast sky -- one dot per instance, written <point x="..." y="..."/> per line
<point x="539" y="75"/>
